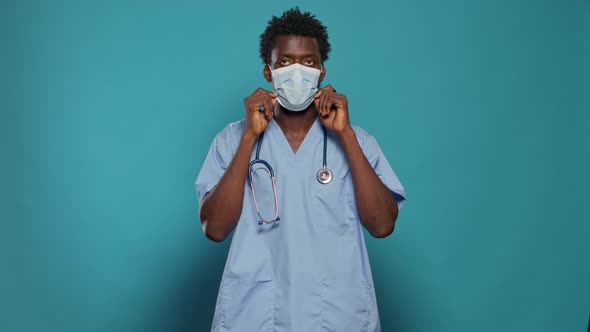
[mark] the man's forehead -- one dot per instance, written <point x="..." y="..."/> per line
<point x="295" y="45"/>
<point x="295" y="42"/>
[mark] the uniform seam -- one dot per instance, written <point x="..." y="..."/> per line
<point x="224" y="302"/>
<point x="274" y="307"/>
<point x="365" y="286"/>
<point x="323" y="306"/>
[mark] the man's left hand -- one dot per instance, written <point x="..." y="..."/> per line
<point x="332" y="109"/>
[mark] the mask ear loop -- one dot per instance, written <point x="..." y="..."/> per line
<point x="272" y="81"/>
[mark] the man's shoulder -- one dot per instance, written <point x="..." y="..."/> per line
<point x="233" y="130"/>
<point x="359" y="131"/>
<point x="362" y="135"/>
<point x="236" y="126"/>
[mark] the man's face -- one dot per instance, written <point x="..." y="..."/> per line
<point x="290" y="49"/>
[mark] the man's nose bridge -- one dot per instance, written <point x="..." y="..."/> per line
<point x="297" y="73"/>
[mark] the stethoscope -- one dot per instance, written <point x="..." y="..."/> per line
<point x="324" y="176"/>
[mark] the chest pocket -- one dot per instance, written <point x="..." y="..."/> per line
<point x="333" y="203"/>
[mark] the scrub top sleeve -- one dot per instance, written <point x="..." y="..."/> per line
<point x="382" y="168"/>
<point x="217" y="160"/>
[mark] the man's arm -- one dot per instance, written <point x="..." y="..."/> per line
<point x="222" y="207"/>
<point x="376" y="204"/>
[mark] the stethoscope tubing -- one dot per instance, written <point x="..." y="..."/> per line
<point x="324" y="176"/>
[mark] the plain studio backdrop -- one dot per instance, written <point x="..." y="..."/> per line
<point x="109" y="107"/>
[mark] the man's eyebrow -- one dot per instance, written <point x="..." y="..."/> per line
<point x="295" y="55"/>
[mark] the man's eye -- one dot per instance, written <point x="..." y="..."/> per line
<point x="309" y="62"/>
<point x="284" y="62"/>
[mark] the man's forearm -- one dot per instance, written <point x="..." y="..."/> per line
<point x="376" y="205"/>
<point x="222" y="207"/>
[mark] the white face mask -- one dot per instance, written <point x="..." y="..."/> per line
<point x="296" y="85"/>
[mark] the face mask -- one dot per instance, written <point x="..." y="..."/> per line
<point x="296" y="86"/>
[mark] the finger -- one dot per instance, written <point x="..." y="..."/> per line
<point x="330" y="106"/>
<point x="261" y="91"/>
<point x="326" y="89"/>
<point x="257" y="91"/>
<point x="267" y="105"/>
<point x="259" y="106"/>
<point x="320" y="92"/>
<point x="326" y="104"/>
<point x="270" y="94"/>
<point x="340" y="101"/>
<point x="333" y="103"/>
<point x="320" y="105"/>
<point x="269" y="108"/>
<point x="316" y="103"/>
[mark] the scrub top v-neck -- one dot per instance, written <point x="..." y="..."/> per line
<point x="309" y="271"/>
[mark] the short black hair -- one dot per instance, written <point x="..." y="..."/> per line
<point x="294" y="22"/>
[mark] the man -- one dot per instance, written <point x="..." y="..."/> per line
<point x="298" y="260"/>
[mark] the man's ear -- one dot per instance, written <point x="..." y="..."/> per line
<point x="267" y="74"/>
<point x="322" y="74"/>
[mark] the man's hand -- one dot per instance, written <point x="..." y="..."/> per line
<point x="376" y="206"/>
<point x="222" y="207"/>
<point x="332" y="109"/>
<point x="259" y="108"/>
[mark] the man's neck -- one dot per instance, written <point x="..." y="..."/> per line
<point x="295" y="123"/>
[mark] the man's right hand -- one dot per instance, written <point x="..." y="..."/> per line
<point x="222" y="207"/>
<point x="257" y="120"/>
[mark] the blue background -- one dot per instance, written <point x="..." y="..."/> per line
<point x="108" y="109"/>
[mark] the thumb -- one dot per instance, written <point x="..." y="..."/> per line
<point x="316" y="103"/>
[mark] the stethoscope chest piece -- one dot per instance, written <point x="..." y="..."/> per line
<point x="324" y="176"/>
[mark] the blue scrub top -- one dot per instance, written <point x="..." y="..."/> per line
<point x="309" y="271"/>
